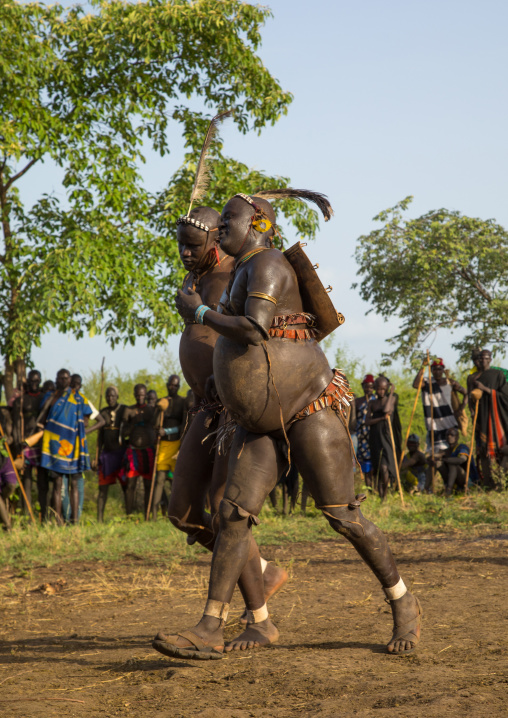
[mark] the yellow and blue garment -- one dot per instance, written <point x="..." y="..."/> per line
<point x="64" y="445"/>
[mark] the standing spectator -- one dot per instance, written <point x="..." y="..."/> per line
<point x="139" y="429"/>
<point x="152" y="398"/>
<point x="173" y="425"/>
<point x="492" y="423"/>
<point x="443" y="417"/>
<point x="76" y="384"/>
<point x="382" y="409"/>
<point x="64" y="446"/>
<point x="8" y="480"/>
<point x="25" y="410"/>
<point x="111" y="451"/>
<point x="362" y="430"/>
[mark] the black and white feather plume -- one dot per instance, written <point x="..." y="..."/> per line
<point x="317" y="198"/>
<point x="202" y="170"/>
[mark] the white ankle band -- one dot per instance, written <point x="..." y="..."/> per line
<point x="217" y="609"/>
<point x="258" y="615"/>
<point x="395" y="592"/>
<point x="264" y="564"/>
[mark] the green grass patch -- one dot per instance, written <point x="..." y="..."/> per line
<point x="27" y="546"/>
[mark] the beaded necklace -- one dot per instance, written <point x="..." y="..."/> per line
<point x="249" y="255"/>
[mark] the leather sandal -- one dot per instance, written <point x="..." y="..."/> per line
<point x="198" y="650"/>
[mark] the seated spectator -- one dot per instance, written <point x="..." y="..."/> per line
<point x="452" y="464"/>
<point x="412" y="471"/>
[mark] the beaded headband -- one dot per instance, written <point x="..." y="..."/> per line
<point x="185" y="219"/>
<point x="246" y="198"/>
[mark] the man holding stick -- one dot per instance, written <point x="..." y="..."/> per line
<point x="440" y="405"/>
<point x="380" y="411"/>
<point x="8" y="479"/>
<point x="492" y="425"/>
<point x="452" y="463"/>
<point x="25" y="410"/>
<point x="170" y="434"/>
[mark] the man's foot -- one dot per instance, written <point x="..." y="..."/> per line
<point x="407" y="617"/>
<point x="198" y="643"/>
<point x="274" y="578"/>
<point x="255" y="635"/>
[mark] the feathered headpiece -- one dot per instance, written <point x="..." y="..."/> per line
<point x="202" y="171"/>
<point x="321" y="200"/>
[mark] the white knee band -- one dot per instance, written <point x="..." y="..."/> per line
<point x="395" y="592"/>
<point x="258" y="615"/>
<point x="217" y="609"/>
<point x="264" y="564"/>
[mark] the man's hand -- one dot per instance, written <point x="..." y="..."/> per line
<point x="186" y="303"/>
<point x="484" y="388"/>
<point x="162" y="433"/>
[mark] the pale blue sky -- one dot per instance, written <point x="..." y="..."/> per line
<point x="391" y="98"/>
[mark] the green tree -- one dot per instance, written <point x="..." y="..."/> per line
<point x="92" y="93"/>
<point x="440" y="271"/>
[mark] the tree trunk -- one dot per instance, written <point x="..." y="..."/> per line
<point x="14" y="375"/>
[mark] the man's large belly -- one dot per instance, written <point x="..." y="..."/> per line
<point x="196" y="356"/>
<point x="244" y="383"/>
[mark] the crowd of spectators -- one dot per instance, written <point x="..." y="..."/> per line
<point x="45" y="428"/>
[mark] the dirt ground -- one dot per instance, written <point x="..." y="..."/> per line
<point x="84" y="650"/>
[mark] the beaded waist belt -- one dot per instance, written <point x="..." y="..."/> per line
<point x="293" y="326"/>
<point x="337" y="395"/>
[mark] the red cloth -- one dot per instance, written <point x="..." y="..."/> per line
<point x="137" y="462"/>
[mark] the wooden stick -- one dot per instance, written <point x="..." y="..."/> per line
<point x="17" y="476"/>
<point x="395" y="461"/>
<point x="412" y="415"/>
<point x="432" y="470"/>
<point x="100" y="406"/>
<point x="472" y="443"/>
<point x="161" y="420"/>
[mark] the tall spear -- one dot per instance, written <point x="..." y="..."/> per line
<point x="100" y="406"/>
<point x="163" y="405"/>
<point x="412" y="414"/>
<point x="431" y="422"/>
<point x="476" y="395"/>
<point x="395" y="461"/>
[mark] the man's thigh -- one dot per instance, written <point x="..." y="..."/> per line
<point x="256" y="461"/>
<point x="323" y="453"/>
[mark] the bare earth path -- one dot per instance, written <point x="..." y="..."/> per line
<point x="85" y="649"/>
